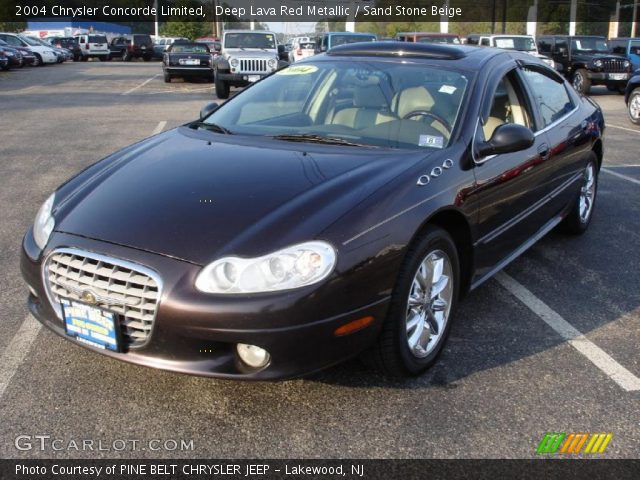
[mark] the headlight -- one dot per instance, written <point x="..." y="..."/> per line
<point x="234" y="62"/>
<point x="598" y="63"/>
<point x="291" y="267"/>
<point x="44" y="223"/>
<point x="627" y="64"/>
<point x="273" y="63"/>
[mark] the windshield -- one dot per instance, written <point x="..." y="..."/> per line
<point x="438" y="39"/>
<point x="587" y="44"/>
<point x="30" y="41"/>
<point x="344" y="39"/>
<point x="188" y="48"/>
<point x="522" y="44"/>
<point x="250" y="40"/>
<point x="361" y="102"/>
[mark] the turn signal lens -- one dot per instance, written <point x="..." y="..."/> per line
<point x="353" y="326"/>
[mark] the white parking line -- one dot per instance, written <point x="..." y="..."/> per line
<point x="141" y="85"/>
<point x="620" y="175"/>
<point x="601" y="359"/>
<point x="160" y="127"/>
<point x="623" y="128"/>
<point x="17" y="349"/>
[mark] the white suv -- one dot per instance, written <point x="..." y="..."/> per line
<point x="93" y="45"/>
<point x="43" y="54"/>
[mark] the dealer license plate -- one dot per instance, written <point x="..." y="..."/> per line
<point x="90" y="325"/>
<point x="253" y="78"/>
<point x="189" y="61"/>
<point x="617" y="76"/>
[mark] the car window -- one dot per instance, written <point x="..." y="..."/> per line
<point x="97" y="39"/>
<point x="634" y="48"/>
<point x="484" y="42"/>
<point x="13" y="41"/>
<point x="550" y="95"/>
<point x="619" y="47"/>
<point x="508" y="105"/>
<point x="188" y="48"/>
<point x="344" y="39"/>
<point x="385" y="104"/>
<point x="250" y="40"/>
<point x="561" y="43"/>
<point x="544" y="45"/>
<point x="589" y="44"/>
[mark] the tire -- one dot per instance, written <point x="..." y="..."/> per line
<point x="126" y="57"/>
<point x="38" y="60"/>
<point x="222" y="88"/>
<point x="393" y="353"/>
<point x="580" y="81"/>
<point x="167" y="77"/>
<point x="578" y="220"/>
<point x="85" y="58"/>
<point x="104" y="59"/>
<point x="147" y="58"/>
<point x="633" y="107"/>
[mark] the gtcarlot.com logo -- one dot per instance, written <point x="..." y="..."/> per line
<point x="573" y="443"/>
<point x="49" y="443"/>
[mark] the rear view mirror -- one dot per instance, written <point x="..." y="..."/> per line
<point x="208" y="110"/>
<point x="507" y="138"/>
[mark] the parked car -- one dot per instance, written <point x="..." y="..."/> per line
<point x="94" y="46"/>
<point x="70" y="43"/>
<point x="28" y="58"/>
<point x="13" y="55"/>
<point x="245" y="57"/>
<point x="522" y="43"/>
<point x="61" y="53"/>
<point x="43" y="55"/>
<point x="586" y="61"/>
<point x="128" y="47"/>
<point x="187" y="60"/>
<point x="632" y="98"/>
<point x="161" y="44"/>
<point x="428" y="37"/>
<point x="330" y="40"/>
<point x="302" y="50"/>
<point x="627" y="47"/>
<point x="342" y="205"/>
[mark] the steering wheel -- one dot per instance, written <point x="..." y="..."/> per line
<point x="426" y="113"/>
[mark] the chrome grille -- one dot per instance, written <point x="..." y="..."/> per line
<point x="613" y="66"/>
<point x="129" y="290"/>
<point x="253" y="66"/>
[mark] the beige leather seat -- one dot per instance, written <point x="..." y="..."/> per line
<point x="417" y="99"/>
<point x="370" y="108"/>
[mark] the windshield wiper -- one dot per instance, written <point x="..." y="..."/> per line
<point x="211" y="126"/>
<point x="313" y="138"/>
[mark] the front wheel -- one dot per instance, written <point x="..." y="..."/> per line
<point x="38" y="60"/>
<point x="579" y="218"/>
<point x="581" y="82"/>
<point x="634" y="106"/>
<point x="167" y="77"/>
<point x="422" y="305"/>
<point x="222" y="88"/>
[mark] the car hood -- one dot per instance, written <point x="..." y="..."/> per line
<point x="250" y="52"/>
<point x="198" y="195"/>
<point x="597" y="56"/>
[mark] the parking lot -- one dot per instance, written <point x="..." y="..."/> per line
<point x="550" y="345"/>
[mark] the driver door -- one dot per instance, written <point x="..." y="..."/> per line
<point x="509" y="186"/>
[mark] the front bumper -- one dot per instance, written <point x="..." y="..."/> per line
<point x="241" y="79"/>
<point x="50" y="58"/>
<point x="195" y="333"/>
<point x="603" y="78"/>
<point x="185" y="71"/>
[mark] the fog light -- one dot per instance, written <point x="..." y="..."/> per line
<point x="253" y="356"/>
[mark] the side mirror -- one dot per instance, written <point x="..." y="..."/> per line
<point x="507" y="138"/>
<point x="208" y="110"/>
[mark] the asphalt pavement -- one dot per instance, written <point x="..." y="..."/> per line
<point x="511" y="372"/>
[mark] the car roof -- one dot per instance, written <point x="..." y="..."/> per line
<point x="434" y="34"/>
<point x="349" y="33"/>
<point x="460" y="56"/>
<point x="249" y="31"/>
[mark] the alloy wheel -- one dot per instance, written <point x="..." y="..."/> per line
<point x="587" y="192"/>
<point x="578" y="82"/>
<point x="634" y="107"/>
<point x="429" y="303"/>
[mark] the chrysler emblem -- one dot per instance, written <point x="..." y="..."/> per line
<point x="89" y="297"/>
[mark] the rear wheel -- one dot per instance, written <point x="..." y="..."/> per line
<point x="167" y="77"/>
<point x="85" y="58"/>
<point x="126" y="57"/>
<point x="104" y="58"/>
<point x="147" y="58"/>
<point x="222" y="88"/>
<point x="580" y="81"/>
<point x="422" y="305"/>
<point x="579" y="218"/>
<point x="634" y="106"/>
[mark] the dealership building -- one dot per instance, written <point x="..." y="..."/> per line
<point x="70" y="28"/>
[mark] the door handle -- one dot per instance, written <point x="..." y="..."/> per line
<point x="543" y="150"/>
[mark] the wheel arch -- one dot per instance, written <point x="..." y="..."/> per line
<point x="598" y="150"/>
<point x="455" y="224"/>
